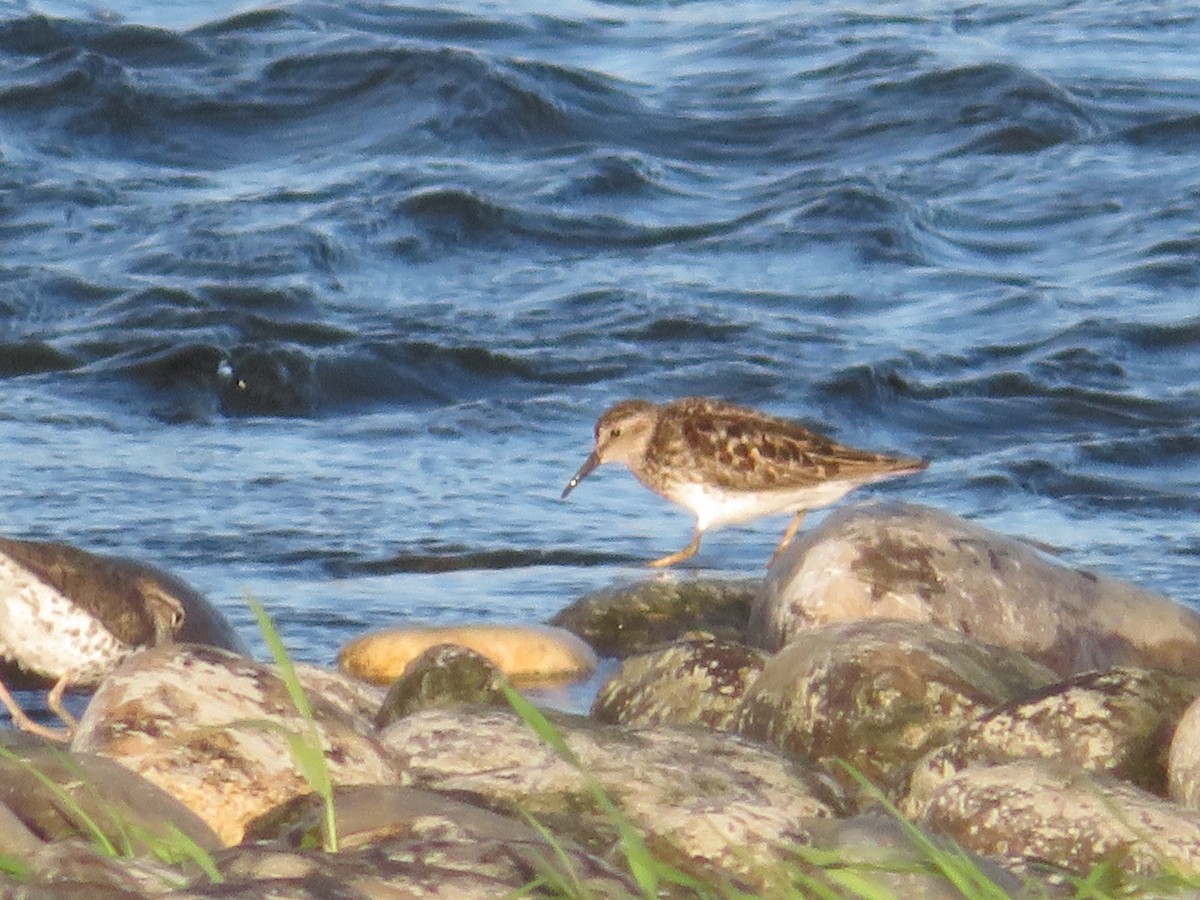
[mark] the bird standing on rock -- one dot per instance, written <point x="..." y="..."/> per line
<point x="71" y="616"/>
<point x="729" y="464"/>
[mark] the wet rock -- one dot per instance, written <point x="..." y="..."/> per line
<point x="525" y="653"/>
<point x="213" y="730"/>
<point x="1036" y="811"/>
<point x="879" y="694"/>
<point x="704" y="800"/>
<point x="1119" y="722"/>
<point x="443" y="676"/>
<point x="698" y="680"/>
<point x="901" y="561"/>
<point x="628" y="619"/>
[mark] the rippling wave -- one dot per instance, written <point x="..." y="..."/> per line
<point x="360" y="277"/>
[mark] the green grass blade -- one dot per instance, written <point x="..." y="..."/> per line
<point x="306" y="749"/>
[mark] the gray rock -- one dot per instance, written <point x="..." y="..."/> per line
<point x="633" y="618"/>
<point x="214" y="730"/>
<point x="878" y="694"/>
<point x="1035" y="811"/>
<point x="698" y="680"/>
<point x="705" y="801"/>
<point x="1119" y="722"/>
<point x="901" y="561"/>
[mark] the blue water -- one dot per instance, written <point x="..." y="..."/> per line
<point x="319" y="301"/>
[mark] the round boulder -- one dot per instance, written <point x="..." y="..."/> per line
<point x="901" y="561"/>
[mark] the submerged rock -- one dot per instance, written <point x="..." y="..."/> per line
<point x="696" y="680"/>
<point x="878" y="694"/>
<point x="1119" y="722"/>
<point x="901" y="561"/>
<point x="525" y="653"/>
<point x="215" y="731"/>
<point x="628" y="619"/>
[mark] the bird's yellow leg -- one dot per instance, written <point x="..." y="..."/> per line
<point x="55" y="701"/>
<point x="793" y="527"/>
<point x="22" y="721"/>
<point x="671" y="558"/>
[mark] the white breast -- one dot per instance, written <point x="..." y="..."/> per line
<point x="716" y="508"/>
<point x="45" y="633"/>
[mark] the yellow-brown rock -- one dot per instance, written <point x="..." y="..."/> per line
<point x="527" y="654"/>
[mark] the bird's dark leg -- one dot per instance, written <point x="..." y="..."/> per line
<point x="671" y="558"/>
<point x="793" y="527"/>
<point x="22" y="721"/>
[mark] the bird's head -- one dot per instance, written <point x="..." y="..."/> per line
<point x="622" y="434"/>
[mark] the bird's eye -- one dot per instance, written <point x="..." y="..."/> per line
<point x="614" y="432"/>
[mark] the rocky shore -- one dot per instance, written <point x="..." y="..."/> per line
<point x="897" y="665"/>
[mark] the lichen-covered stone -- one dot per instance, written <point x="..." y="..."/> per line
<point x="213" y="730"/>
<point x="901" y="561"/>
<point x="698" y="679"/>
<point x="627" y="619"/>
<point x="1037" y="811"/>
<point x="443" y="676"/>
<point x="878" y="694"/>
<point x="1119" y="722"/>
<point x="704" y="800"/>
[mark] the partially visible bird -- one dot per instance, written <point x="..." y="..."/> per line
<point x="729" y="464"/>
<point x="71" y="616"/>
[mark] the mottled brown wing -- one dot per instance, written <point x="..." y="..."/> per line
<point x="742" y="449"/>
<point x="98" y="585"/>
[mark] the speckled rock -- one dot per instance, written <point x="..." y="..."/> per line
<point x="633" y="618"/>
<point x="211" y="728"/>
<point x="696" y="680"/>
<point x="1183" y="764"/>
<point x="432" y="865"/>
<point x="410" y="841"/>
<point x="1034" y="811"/>
<point x="879" y="694"/>
<point x="525" y="653"/>
<point x="1119" y="722"/>
<point x="443" y="676"/>
<point x="704" y="800"/>
<point x="900" y="561"/>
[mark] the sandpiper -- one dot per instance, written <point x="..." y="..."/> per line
<point x="71" y="616"/>
<point x="728" y="464"/>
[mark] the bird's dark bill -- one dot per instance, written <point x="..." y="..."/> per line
<point x="588" y="464"/>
